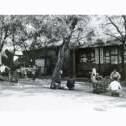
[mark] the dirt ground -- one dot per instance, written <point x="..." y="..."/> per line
<point x="32" y="103"/>
<point x="36" y="95"/>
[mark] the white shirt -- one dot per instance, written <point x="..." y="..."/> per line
<point x="115" y="86"/>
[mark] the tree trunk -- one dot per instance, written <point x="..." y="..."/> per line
<point x="1" y="47"/>
<point x="45" y="60"/>
<point x="12" y="60"/>
<point x="11" y="70"/>
<point x="59" y="65"/>
<point x="56" y="73"/>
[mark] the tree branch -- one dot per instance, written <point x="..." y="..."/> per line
<point x="114" y="36"/>
<point x="117" y="28"/>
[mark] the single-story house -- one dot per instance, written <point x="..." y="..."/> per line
<point x="105" y="57"/>
<point x="79" y="61"/>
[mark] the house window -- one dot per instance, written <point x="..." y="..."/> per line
<point x="87" y="57"/>
<point x="114" y="56"/>
<point x="120" y="58"/>
<point x="125" y="56"/>
<point x="92" y="57"/>
<point x="114" y="51"/>
<point x="83" y="58"/>
<point x="40" y="63"/>
<point x="107" y="59"/>
<point x="106" y="55"/>
<point x="101" y="55"/>
<point x="96" y="56"/>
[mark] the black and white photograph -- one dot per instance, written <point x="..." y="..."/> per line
<point x="54" y="57"/>
<point x="68" y="67"/>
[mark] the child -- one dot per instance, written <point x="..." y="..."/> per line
<point x="115" y="88"/>
<point x="93" y="75"/>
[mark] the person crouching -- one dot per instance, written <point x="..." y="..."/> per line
<point x="115" y="87"/>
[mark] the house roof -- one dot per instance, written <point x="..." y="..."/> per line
<point x="100" y="43"/>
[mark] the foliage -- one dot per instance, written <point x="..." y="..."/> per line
<point x="118" y="23"/>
